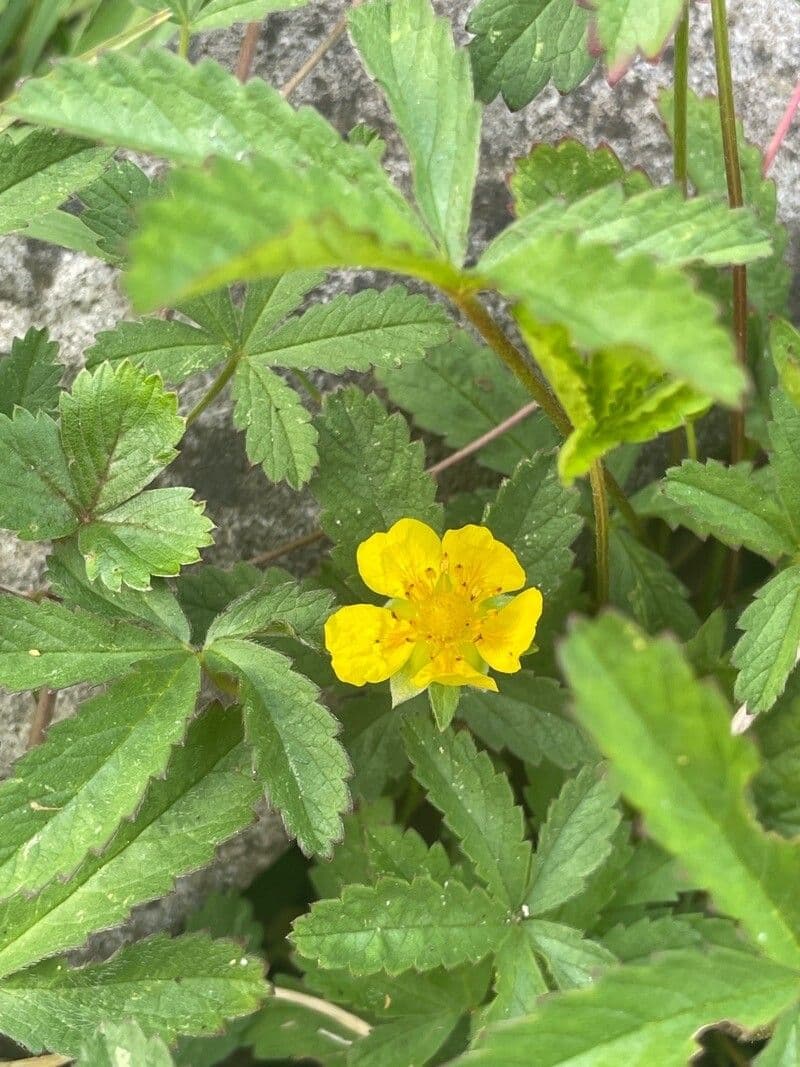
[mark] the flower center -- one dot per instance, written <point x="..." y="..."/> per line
<point x="446" y="618"/>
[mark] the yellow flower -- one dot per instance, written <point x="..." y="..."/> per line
<point x="446" y="620"/>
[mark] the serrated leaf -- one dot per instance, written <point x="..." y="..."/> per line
<point x="427" y="82"/>
<point x="642" y="583"/>
<point x="369" y="329"/>
<point x="536" y="516"/>
<point x="296" y="1032"/>
<point x="519" y="47"/>
<point x="568" y="170"/>
<point x="395" y="925"/>
<point x="299" y="762"/>
<point x="784" y="462"/>
<point x="784" y="343"/>
<point x="776" y="787"/>
<point x="216" y="313"/>
<point x="573" y="960"/>
<point x="651" y="876"/>
<point x="728" y="503"/>
<point x="268" y="301"/>
<point x="30" y="374"/>
<point x="207" y="787"/>
<point x="462" y="391"/>
<point x="573" y="841"/>
<point x="280" y="435"/>
<point x="371" y="735"/>
<point x="117" y="1043"/>
<point x="369" y="474"/>
<point x="110" y="207"/>
<point x="185" y="985"/>
<point x="477" y="804"/>
<point x="275" y="607"/>
<point x="61" y="228"/>
<point x="519" y="980"/>
<point x="767" y="651"/>
<point x="783" y="1049"/>
<point x="37" y="497"/>
<point x="175" y="350"/>
<point x="47" y="644"/>
<point x="646" y="1014"/>
<point x="40" y="171"/>
<point x="205" y="592"/>
<point x="217" y="14"/>
<point x="624" y="28"/>
<point x="639" y="941"/>
<point x="68" y="796"/>
<point x="118" y="429"/>
<point x="640" y="699"/>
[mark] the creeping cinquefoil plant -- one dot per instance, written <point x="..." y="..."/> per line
<point x="529" y="732"/>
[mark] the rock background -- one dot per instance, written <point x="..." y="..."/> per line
<point x="75" y="297"/>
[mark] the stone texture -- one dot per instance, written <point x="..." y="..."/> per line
<point x="76" y="297"/>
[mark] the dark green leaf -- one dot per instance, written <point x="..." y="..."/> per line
<point x="30" y="374"/>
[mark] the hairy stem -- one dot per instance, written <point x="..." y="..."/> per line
<point x="216" y="387"/>
<point x="597" y="480"/>
<point x="344" y="1018"/>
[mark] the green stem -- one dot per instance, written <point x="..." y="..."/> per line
<point x="733" y="177"/>
<point x="691" y="440"/>
<point x="681" y="113"/>
<point x="597" y="480"/>
<point x="183" y="41"/>
<point x="215" y="388"/>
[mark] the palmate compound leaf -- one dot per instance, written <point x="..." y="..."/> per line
<point x="395" y="925"/>
<point x="639" y="699"/>
<point x="427" y="82"/>
<point x="110" y="205"/>
<point x="370" y="475"/>
<point x="30" y="374"/>
<point x="40" y="171"/>
<point x="645" y="1013"/>
<point x="622" y="28"/>
<point x="277" y="605"/>
<point x="297" y="758"/>
<point x="477" y="803"/>
<point x="68" y="795"/>
<point x="572" y="959"/>
<point x="117" y="1043"/>
<point x="766" y="653"/>
<point x="185" y="985"/>
<point x="207" y="788"/>
<point x="520" y="46"/>
<point x="176" y="350"/>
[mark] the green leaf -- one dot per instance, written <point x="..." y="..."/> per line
<point x="205" y="592"/>
<point x="784" y="462"/>
<point x="280" y="435"/>
<point x="572" y="959"/>
<point x="228" y="915"/>
<point x="278" y="605"/>
<point x="184" y="985"/>
<point x="215" y="313"/>
<point x="419" y="1036"/>
<point x="477" y="804"/>
<point x="30" y="374"/>
<point x="651" y="876"/>
<point x="767" y="651"/>
<point x="625" y="27"/>
<point x="643" y="584"/>
<point x="518" y="977"/>
<point x="296" y="1032"/>
<point x="462" y="391"/>
<point x="119" y="428"/>
<point x="61" y="228"/>
<point x="519" y="47"/>
<point x="783" y="1049"/>
<point x="371" y="735"/>
<point x="117" y="1043"/>
<point x="300" y="763"/>
<point x="776" y="788"/>
<point x="40" y="172"/>
<point x="369" y="474"/>
<point x="784" y="343"/>
<point x="568" y="170"/>
<point x="47" y="644"/>
<point x="37" y="497"/>
<point x="268" y="301"/>
<point x="396" y="925"/>
<point x="168" y="347"/>
<point x="110" y="205"/>
<point x="217" y="14"/>
<point x="207" y="787"/>
<point x="157" y="532"/>
<point x="639" y="698"/>
<point x="728" y="503"/>
<point x="646" y="1014"/>
<point x="105" y="758"/>
<point x="443" y="701"/>
<point x="573" y="841"/>
<point x="536" y="516"/>
<point x="428" y="85"/>
<point x="383" y="329"/>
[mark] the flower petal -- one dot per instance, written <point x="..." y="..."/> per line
<point x="366" y="643"/>
<point x="451" y="667"/>
<point x="479" y="564"/>
<point x="405" y="562"/>
<point x="508" y="632"/>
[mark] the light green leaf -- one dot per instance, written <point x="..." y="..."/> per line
<point x="30" y="374"/>
<point x="185" y="985"/>
<point x="115" y="1044"/>
<point x="37" y="497"/>
<point x="536" y="516"/>
<point x="626" y="27"/>
<point x="46" y="644"/>
<point x="61" y="228"/>
<point x="173" y="349"/>
<point x="280" y="435"/>
<point x="642" y="583"/>
<point x="428" y="84"/>
<point x="207" y="787"/>
<point x="647" y="1014"/>
<point x="568" y="170"/>
<point x="383" y="329"/>
<point x="520" y="46"/>
<point x="40" y="172"/>
<point x="573" y="841"/>
<point x="110" y="205"/>
<point x="519" y="980"/>
<point x="277" y="607"/>
<point x="462" y="391"/>
<point x="300" y="764"/>
<point x="648" y="713"/>
<point x="573" y="960"/>
<point x="784" y="343"/>
<point x="767" y="651"/>
<point x="395" y="925"/>
<point x="268" y="301"/>
<point x="217" y="14"/>
<point x="156" y="532"/>
<point x="369" y="474"/>
<point x="784" y="462"/>
<point x="728" y="503"/>
<point x="783" y="1049"/>
<point x="477" y="804"/>
<point x="68" y="796"/>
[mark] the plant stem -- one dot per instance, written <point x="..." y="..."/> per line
<point x="681" y="113"/>
<point x="42" y="716"/>
<point x="782" y="129"/>
<point x="183" y="41"/>
<point x="344" y="1018"/>
<point x="691" y="440"/>
<point x="286" y="547"/>
<point x="597" y="480"/>
<point x="216" y="387"/>
<point x="486" y="438"/>
<point x="248" y="50"/>
<point x="338" y="30"/>
<point x="733" y="177"/>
